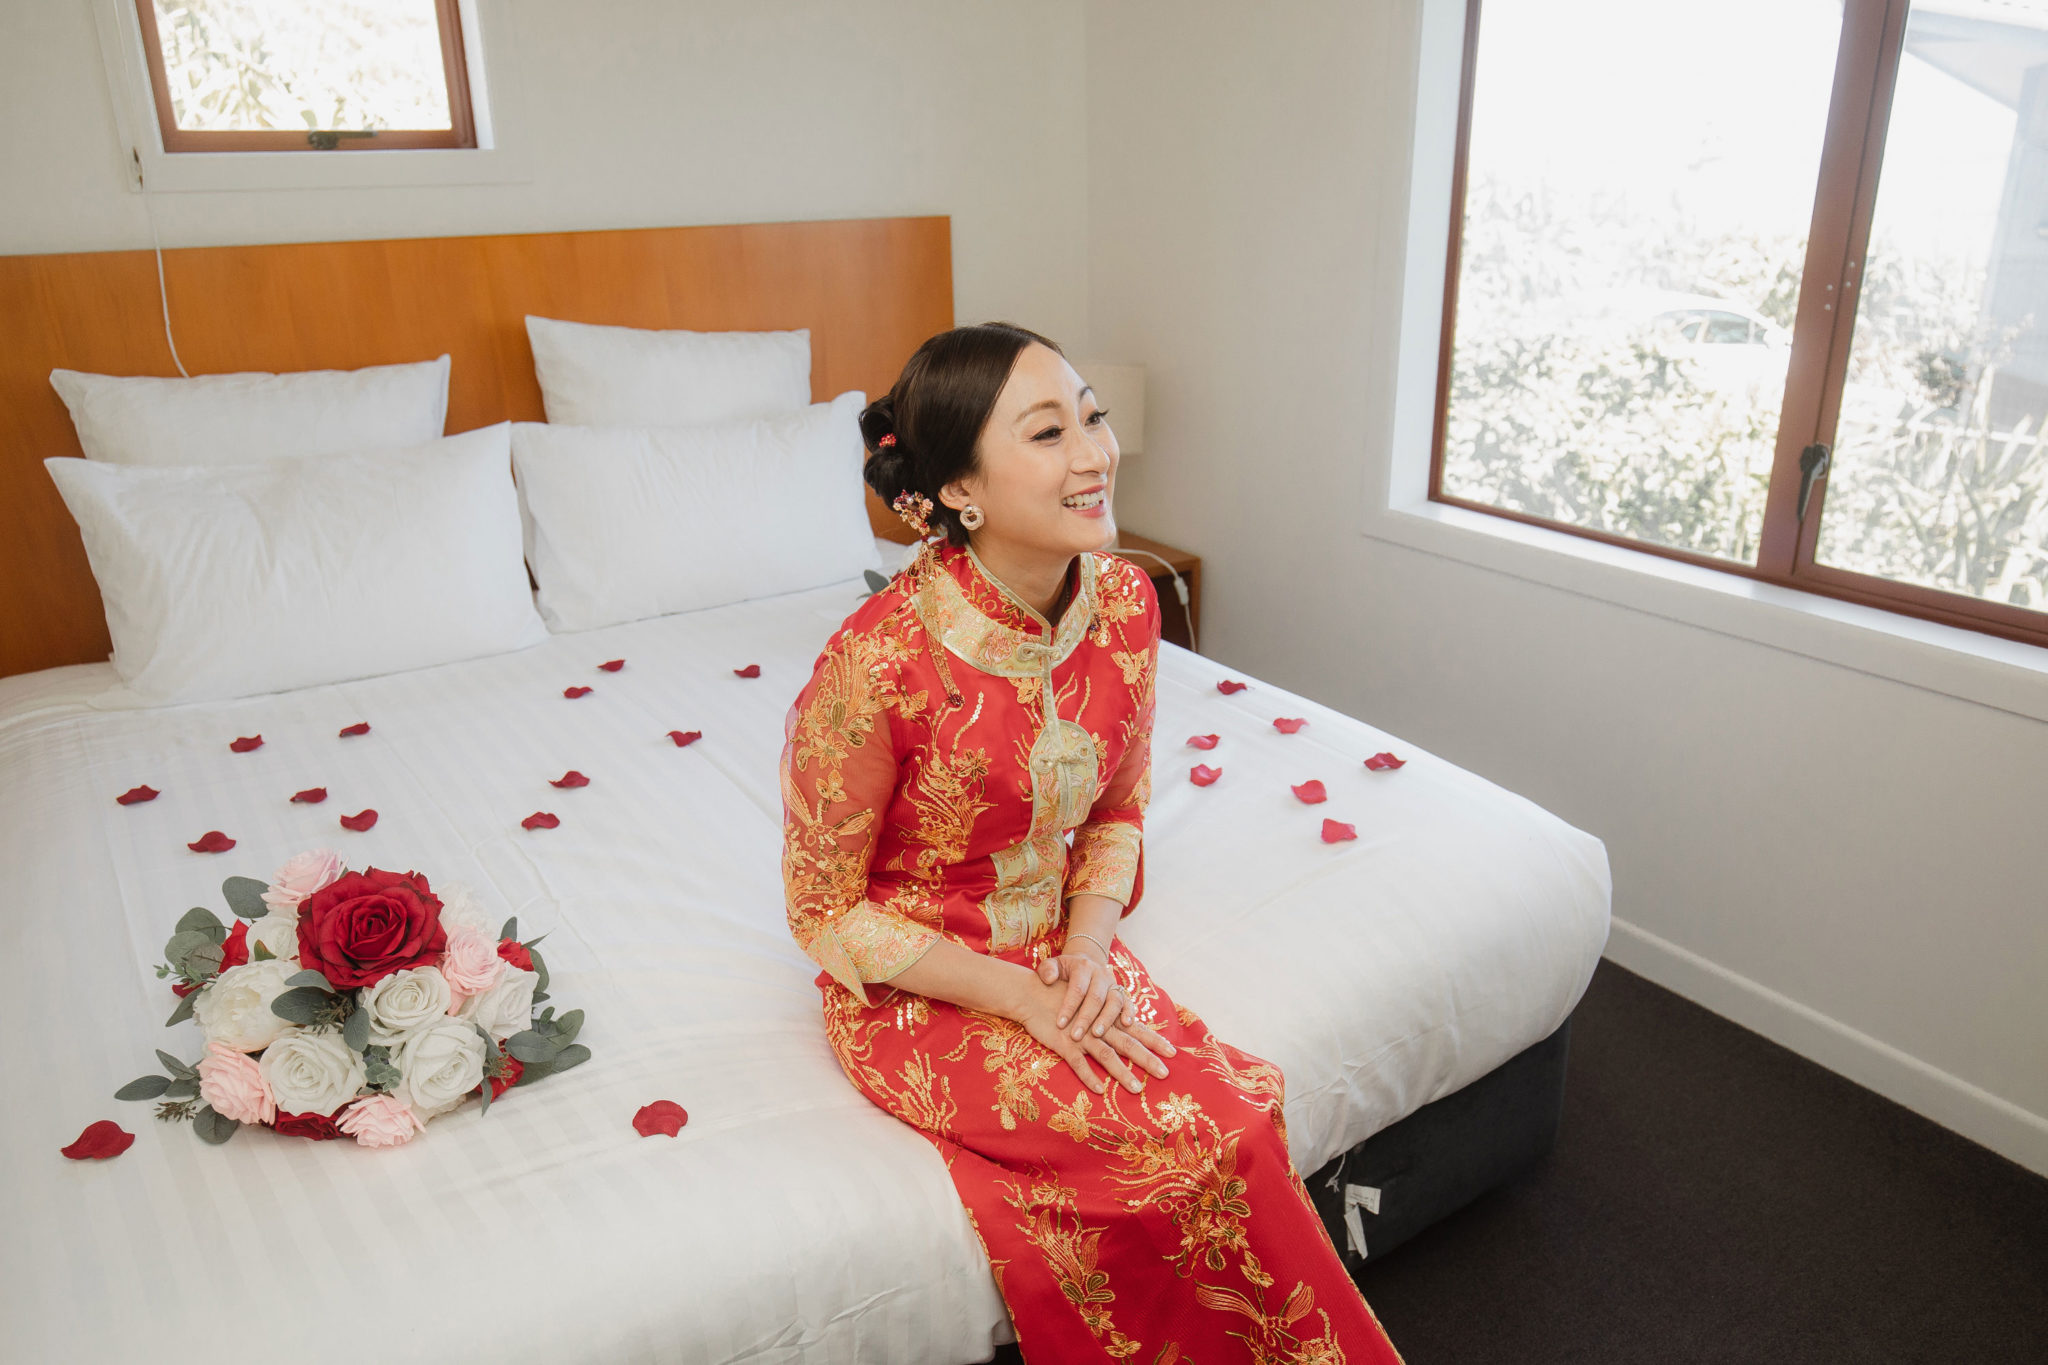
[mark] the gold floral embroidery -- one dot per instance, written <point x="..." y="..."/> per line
<point x="1133" y="665"/>
<point x="1019" y="1061"/>
<point x="948" y="795"/>
<point x="1104" y="860"/>
<point x="1072" y="1251"/>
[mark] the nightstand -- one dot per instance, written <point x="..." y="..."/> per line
<point x="1174" y="620"/>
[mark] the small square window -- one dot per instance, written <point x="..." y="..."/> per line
<point x="307" y="75"/>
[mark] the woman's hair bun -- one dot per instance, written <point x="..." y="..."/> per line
<point x="887" y="469"/>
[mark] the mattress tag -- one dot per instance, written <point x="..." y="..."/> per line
<point x="1355" y="1196"/>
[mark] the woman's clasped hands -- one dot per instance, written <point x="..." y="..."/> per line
<point x="1079" y="1011"/>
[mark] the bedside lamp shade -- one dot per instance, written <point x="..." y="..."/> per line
<point x="1120" y="392"/>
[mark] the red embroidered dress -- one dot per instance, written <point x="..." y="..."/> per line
<point x="948" y="742"/>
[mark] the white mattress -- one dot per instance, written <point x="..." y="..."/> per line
<point x="792" y="1220"/>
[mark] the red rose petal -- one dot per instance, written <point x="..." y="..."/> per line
<point x="247" y="743"/>
<point x="360" y="821"/>
<point x="572" y="693"/>
<point x="682" y="737"/>
<point x="102" y="1140"/>
<point x="311" y="796"/>
<point x="572" y="778"/>
<point x="662" y="1116"/>
<point x="612" y="665"/>
<point x="235" y="951"/>
<point x="1227" y="686"/>
<point x="1311" y="792"/>
<point x="1202" y="774"/>
<point x="540" y="819"/>
<point x="750" y="671"/>
<point x="514" y="1069"/>
<point x="361" y="727"/>
<point x="135" y="796"/>
<point x="1336" y="830"/>
<point x="1382" y="762"/>
<point x="515" y="952"/>
<point x="1203" y="741"/>
<point x="213" y="841"/>
<point x="1287" y="725"/>
<point x="181" y="989"/>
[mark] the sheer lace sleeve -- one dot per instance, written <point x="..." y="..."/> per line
<point x="1108" y="856"/>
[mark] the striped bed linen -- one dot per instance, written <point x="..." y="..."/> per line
<point x="791" y="1220"/>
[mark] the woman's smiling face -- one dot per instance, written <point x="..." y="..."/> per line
<point x="1047" y="466"/>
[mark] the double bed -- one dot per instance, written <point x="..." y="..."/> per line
<point x="789" y="1220"/>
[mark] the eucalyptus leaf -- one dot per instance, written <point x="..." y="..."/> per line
<point x="204" y="960"/>
<point x="380" y="1075"/>
<point x="182" y="1013"/>
<point x="183" y="944"/>
<point x="573" y="1055"/>
<point x="483" y="1097"/>
<point x="568" y="1026"/>
<point x="537" y="938"/>
<point x="144" y="1088"/>
<point x="218" y="934"/>
<point x="539" y="996"/>
<point x="356" y="1032"/>
<point x="197" y="918"/>
<point x="530" y="1047"/>
<point x="259" y="953"/>
<point x="874" y="580"/>
<point x="540" y="966"/>
<point x="211" y="1126"/>
<point x="245" y="897"/>
<point x="511" y="929"/>
<point x="300" y="1004"/>
<point x="178" y="1069"/>
<point x="182" y="1090"/>
<point x="310" y="977"/>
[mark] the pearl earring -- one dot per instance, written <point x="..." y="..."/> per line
<point x="971" y="516"/>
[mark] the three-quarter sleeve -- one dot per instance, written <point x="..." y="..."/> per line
<point x="839" y="772"/>
<point x="1108" y="855"/>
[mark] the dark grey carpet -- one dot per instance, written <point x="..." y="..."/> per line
<point x="1714" y="1198"/>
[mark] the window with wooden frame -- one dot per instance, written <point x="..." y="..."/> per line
<point x="1760" y="285"/>
<point x="307" y="75"/>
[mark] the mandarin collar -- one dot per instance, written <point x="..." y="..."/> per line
<point x="980" y="620"/>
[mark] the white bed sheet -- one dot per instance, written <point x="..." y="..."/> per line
<point x="791" y="1220"/>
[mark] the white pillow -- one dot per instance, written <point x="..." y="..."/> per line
<point x="630" y="377"/>
<point x="624" y="523"/>
<point x="236" y="418"/>
<point x="228" y="580"/>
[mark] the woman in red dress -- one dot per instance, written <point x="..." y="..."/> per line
<point x="964" y="782"/>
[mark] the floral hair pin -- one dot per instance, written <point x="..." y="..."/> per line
<point x="914" y="508"/>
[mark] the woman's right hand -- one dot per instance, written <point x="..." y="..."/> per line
<point x="1116" y="1049"/>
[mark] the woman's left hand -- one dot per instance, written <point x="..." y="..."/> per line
<point x="1090" y="985"/>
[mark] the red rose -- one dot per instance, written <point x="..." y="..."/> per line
<point x="235" y="952"/>
<point x="181" y="989"/>
<point x="318" y="1127"/>
<point x="514" y="952"/>
<point x="507" y="1076"/>
<point x="363" y="926"/>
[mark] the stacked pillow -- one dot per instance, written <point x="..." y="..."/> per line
<point x="682" y="470"/>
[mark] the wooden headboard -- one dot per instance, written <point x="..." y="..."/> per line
<point x="869" y="290"/>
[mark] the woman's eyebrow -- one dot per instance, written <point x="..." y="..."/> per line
<point x="1052" y="402"/>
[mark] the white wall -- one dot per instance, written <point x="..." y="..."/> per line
<point x="644" y="113"/>
<point x="1851" y="865"/>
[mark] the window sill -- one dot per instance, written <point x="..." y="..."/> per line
<point x="2003" y="674"/>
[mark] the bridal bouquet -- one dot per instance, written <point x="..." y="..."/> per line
<point x="352" y="1004"/>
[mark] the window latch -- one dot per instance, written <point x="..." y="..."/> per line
<point x="327" y="139"/>
<point x="1813" y="463"/>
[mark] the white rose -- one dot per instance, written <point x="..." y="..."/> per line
<point x="312" y="1073"/>
<point x="438" y="1064"/>
<point x="278" y="932"/>
<point x="506" y="1008"/>
<point x="235" y="1008"/>
<point x="403" y="1001"/>
<point x="460" y="909"/>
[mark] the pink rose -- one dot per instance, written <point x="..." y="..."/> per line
<point x="380" y="1121"/>
<point x="299" y="878"/>
<point x="471" y="964"/>
<point x="233" y="1084"/>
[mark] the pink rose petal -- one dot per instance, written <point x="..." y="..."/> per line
<point x="572" y="778"/>
<point x="1287" y="725"/>
<point x="361" y="727"/>
<point x="135" y="796"/>
<point x="311" y="796"/>
<point x="612" y="665"/>
<point x="572" y="693"/>
<point x="663" y="1116"/>
<point x="540" y="819"/>
<point x="1202" y="774"/>
<point x="1383" y="762"/>
<point x="1311" y="792"/>
<point x="1336" y="830"/>
<point x="247" y="744"/>
<point x="1203" y="741"/>
<point x="360" y="821"/>
<point x="682" y="737"/>
<point x="213" y="841"/>
<point x="100" y="1141"/>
